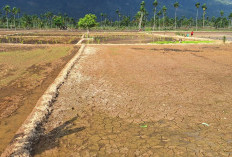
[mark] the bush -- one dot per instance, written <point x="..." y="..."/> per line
<point x="224" y="39"/>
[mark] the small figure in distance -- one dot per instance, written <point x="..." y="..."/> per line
<point x="192" y="33"/>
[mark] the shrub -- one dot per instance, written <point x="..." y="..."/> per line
<point x="224" y="39"/>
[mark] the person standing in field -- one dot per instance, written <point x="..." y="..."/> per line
<point x="192" y="33"/>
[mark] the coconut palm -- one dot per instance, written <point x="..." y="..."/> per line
<point x="164" y="9"/>
<point x="18" y="12"/>
<point x="155" y="4"/>
<point x="118" y="13"/>
<point x="142" y="11"/>
<point x="159" y="14"/>
<point x="204" y="7"/>
<point x="197" y="6"/>
<point x="230" y="17"/>
<point x="105" y="16"/>
<point x="101" y="18"/>
<point x="222" y="14"/>
<point x="35" y="21"/>
<point x="7" y="11"/>
<point x="49" y="15"/>
<point x="176" y="5"/>
<point x="14" y="12"/>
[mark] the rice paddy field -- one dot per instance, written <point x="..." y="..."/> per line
<point x="128" y="94"/>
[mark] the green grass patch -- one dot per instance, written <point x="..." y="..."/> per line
<point x="183" y="42"/>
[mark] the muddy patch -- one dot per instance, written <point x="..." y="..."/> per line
<point x="18" y="98"/>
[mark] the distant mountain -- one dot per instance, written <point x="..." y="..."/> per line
<point x="77" y="8"/>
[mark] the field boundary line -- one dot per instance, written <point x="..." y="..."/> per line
<point x="21" y="145"/>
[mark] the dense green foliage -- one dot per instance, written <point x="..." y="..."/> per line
<point x="88" y="21"/>
<point x="11" y="18"/>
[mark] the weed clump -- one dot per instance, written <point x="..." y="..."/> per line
<point x="224" y="39"/>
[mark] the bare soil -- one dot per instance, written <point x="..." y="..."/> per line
<point x="209" y="35"/>
<point x="40" y="39"/>
<point x="154" y="100"/>
<point x="126" y="39"/>
<point x="18" y="97"/>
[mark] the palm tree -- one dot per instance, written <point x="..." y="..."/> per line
<point x="230" y="17"/>
<point x="105" y="16"/>
<point x="197" y="6"/>
<point x="101" y="18"/>
<point x="49" y="16"/>
<point x="176" y="5"/>
<point x="159" y="14"/>
<point x="14" y="12"/>
<point x="204" y="7"/>
<point x="142" y="11"/>
<point x="7" y="11"/>
<point x="222" y="14"/>
<point x="35" y="21"/>
<point x="155" y="4"/>
<point x="164" y="9"/>
<point x="118" y="13"/>
<point x="18" y="12"/>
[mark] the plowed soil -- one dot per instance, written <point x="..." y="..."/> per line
<point x="144" y="101"/>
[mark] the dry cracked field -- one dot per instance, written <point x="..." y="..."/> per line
<point x="170" y="100"/>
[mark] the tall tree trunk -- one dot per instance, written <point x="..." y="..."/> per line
<point x="175" y="18"/>
<point x="154" y="25"/>
<point x="159" y="23"/>
<point x="87" y="32"/>
<point x="7" y="24"/>
<point x="14" y="22"/>
<point x="101" y="21"/>
<point x="140" y="21"/>
<point x="163" y="21"/>
<point x="197" y="19"/>
<point x="119" y="20"/>
<point x="203" y="19"/>
<point x="105" y="22"/>
<point x="19" y="21"/>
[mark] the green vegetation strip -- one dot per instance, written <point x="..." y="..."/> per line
<point x="183" y="42"/>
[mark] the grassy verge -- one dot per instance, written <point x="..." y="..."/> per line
<point x="183" y="42"/>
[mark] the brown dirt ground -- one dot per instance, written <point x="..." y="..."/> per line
<point x="209" y="35"/>
<point x="17" y="98"/>
<point x="40" y="39"/>
<point x="154" y="100"/>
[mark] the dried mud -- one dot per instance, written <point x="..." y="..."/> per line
<point x="143" y="101"/>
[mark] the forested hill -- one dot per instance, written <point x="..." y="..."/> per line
<point x="77" y="8"/>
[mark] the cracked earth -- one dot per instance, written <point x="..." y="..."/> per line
<point x="143" y="101"/>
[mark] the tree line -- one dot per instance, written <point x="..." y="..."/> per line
<point x="12" y="18"/>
